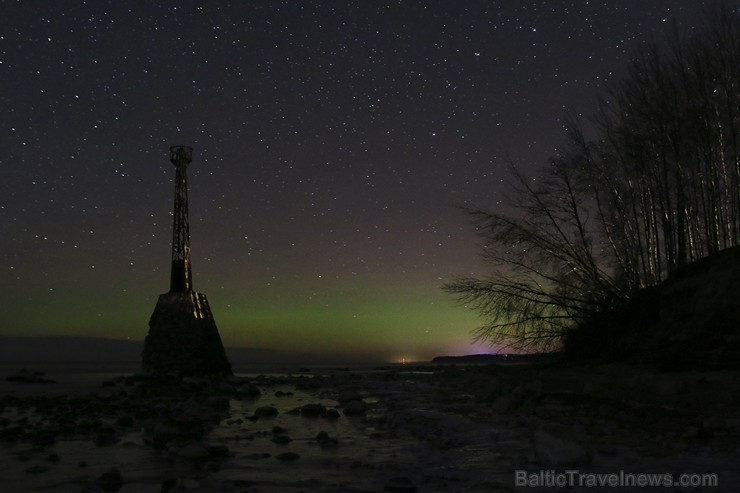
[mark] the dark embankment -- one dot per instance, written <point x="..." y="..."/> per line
<point x="692" y="319"/>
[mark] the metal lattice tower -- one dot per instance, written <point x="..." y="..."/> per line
<point x="183" y="338"/>
<point x="181" y="278"/>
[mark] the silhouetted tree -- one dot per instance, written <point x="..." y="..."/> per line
<point x="546" y="273"/>
<point x="656" y="185"/>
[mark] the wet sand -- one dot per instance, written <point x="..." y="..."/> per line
<point x="394" y="429"/>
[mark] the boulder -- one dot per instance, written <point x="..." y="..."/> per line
<point x="354" y="408"/>
<point x="266" y="411"/>
<point x="249" y="390"/>
<point x="25" y="376"/>
<point x="110" y="481"/>
<point x="281" y="439"/>
<point x="313" y="410"/>
<point x="218" y="451"/>
<point x="288" y="456"/>
<point x="325" y="441"/>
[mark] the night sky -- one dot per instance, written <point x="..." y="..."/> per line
<point x="334" y="143"/>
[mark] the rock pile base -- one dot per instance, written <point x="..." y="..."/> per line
<point x="183" y="338"/>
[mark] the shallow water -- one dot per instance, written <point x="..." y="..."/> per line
<point x="452" y="430"/>
<point x="358" y="458"/>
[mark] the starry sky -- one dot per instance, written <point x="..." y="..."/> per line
<point x="334" y="143"/>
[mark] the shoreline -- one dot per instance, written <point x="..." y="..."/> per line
<point x="416" y="428"/>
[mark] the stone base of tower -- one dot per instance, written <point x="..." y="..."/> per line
<point x="183" y="338"/>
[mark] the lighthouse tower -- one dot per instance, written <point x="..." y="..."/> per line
<point x="183" y="338"/>
<point x="181" y="278"/>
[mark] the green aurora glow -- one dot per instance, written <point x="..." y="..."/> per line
<point x="333" y="148"/>
<point x="386" y="321"/>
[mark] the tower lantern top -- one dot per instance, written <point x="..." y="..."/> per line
<point x="181" y="155"/>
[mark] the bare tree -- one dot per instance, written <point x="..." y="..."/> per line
<point x="546" y="273"/>
<point x="655" y="188"/>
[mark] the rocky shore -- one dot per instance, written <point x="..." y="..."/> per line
<point x="396" y="429"/>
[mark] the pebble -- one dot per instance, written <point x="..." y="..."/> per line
<point x="110" y="481"/>
<point x="282" y="439"/>
<point x="218" y="451"/>
<point x="25" y="376"/>
<point x="325" y="441"/>
<point x="313" y="410"/>
<point x="288" y="456"/>
<point x="250" y="390"/>
<point x="266" y="411"/>
<point x="400" y="485"/>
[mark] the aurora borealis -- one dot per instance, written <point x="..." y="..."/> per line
<point x="334" y="143"/>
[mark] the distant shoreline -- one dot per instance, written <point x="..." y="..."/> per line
<point x="483" y="359"/>
<point x="125" y="355"/>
